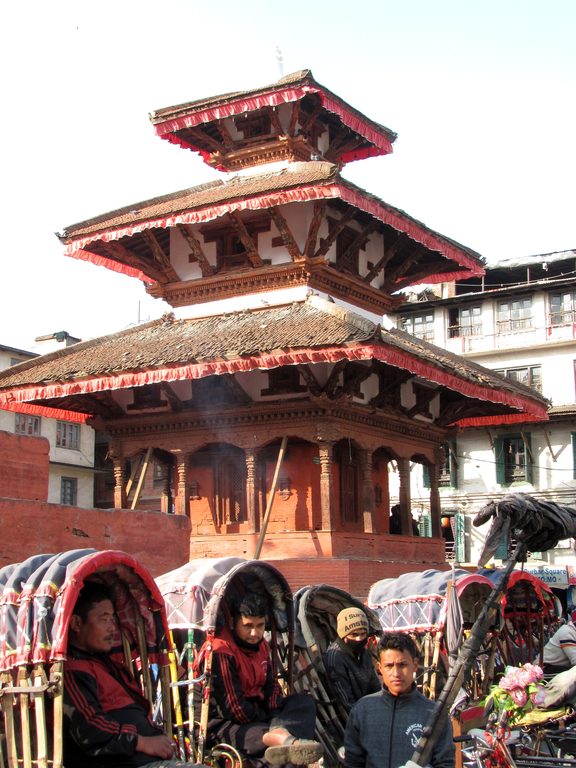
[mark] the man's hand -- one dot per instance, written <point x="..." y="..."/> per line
<point x="158" y="746"/>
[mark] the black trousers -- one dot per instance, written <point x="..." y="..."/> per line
<point x="297" y="714"/>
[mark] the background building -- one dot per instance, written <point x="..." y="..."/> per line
<point x="520" y="320"/>
<point x="71" y="473"/>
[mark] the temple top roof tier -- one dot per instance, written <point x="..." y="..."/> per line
<point x="295" y="119"/>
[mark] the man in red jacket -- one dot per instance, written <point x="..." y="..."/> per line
<point x="248" y="709"/>
<point x="107" y="720"/>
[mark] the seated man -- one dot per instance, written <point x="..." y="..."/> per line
<point x="247" y="708"/>
<point x="347" y="662"/>
<point x="383" y="729"/>
<point x="107" y="720"/>
<point x="560" y="651"/>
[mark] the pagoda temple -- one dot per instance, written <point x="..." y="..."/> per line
<point x="276" y="406"/>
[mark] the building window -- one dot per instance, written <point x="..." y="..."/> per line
<point x="27" y="425"/>
<point x="347" y="250"/>
<point x="513" y="459"/>
<point x="515" y="315"/>
<point x="69" y="491"/>
<point x="284" y="380"/>
<point x="465" y="321"/>
<point x="448" y="469"/>
<point x="563" y="308"/>
<point x="421" y="325"/>
<point x="573" y="438"/>
<point x="68" y="435"/>
<point x="17" y="360"/>
<point x="530" y="375"/>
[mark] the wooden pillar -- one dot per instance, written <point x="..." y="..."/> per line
<point x="119" y="484"/>
<point x="251" y="489"/>
<point x="326" y="485"/>
<point x="405" y="497"/>
<point x="182" y="503"/>
<point x="166" y="498"/>
<point x="367" y="492"/>
<point x="435" y="506"/>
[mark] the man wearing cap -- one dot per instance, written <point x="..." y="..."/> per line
<point x="560" y="650"/>
<point x="347" y="661"/>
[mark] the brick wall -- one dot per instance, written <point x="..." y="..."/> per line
<point x="160" y="542"/>
<point x="23" y="467"/>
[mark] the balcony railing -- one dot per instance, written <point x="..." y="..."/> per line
<point x="464" y="331"/>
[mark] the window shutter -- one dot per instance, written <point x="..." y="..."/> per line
<point x="502" y="549"/>
<point x="425" y="476"/>
<point x="499" y="459"/>
<point x="573" y="438"/>
<point x="425" y="525"/>
<point x="453" y="465"/>
<point x="459" y="539"/>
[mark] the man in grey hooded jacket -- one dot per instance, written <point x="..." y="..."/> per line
<point x="384" y="728"/>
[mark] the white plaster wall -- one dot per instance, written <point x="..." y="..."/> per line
<point x="85" y="485"/>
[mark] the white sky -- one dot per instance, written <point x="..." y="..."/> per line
<point x="480" y="92"/>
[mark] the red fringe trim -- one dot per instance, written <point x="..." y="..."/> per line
<point x="381" y="145"/>
<point x="399" y="359"/>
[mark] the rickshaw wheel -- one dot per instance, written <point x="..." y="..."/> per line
<point x="225" y="756"/>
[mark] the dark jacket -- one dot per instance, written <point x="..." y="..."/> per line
<point x="104" y="713"/>
<point x="383" y="731"/>
<point x="244" y="689"/>
<point x="352" y="674"/>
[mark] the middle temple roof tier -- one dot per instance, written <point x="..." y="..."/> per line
<point x="301" y="225"/>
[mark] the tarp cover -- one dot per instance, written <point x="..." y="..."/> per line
<point x="187" y="589"/>
<point x="37" y="599"/>
<point x="417" y="601"/>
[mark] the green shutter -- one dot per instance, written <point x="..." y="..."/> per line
<point x="425" y="525"/>
<point x="499" y="459"/>
<point x="459" y="538"/>
<point x="425" y="476"/>
<point x="453" y="466"/>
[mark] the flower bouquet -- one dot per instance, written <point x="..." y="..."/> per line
<point x="519" y="691"/>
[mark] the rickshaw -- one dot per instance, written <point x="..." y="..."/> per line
<point x="317" y="608"/>
<point x="36" y="600"/>
<point x="531" y="615"/>
<point x="199" y="597"/>
<point x="437" y="608"/>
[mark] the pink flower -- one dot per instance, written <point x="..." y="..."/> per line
<point x="519" y="696"/>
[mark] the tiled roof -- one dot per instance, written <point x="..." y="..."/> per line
<point x="211" y="193"/>
<point x="295" y="79"/>
<point x="312" y="173"/>
<point x="311" y="325"/>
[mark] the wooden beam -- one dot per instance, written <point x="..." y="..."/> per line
<point x="275" y="120"/>
<point x="201" y="136"/>
<point x="335" y="231"/>
<point x="246" y="239"/>
<point x="294" y="118"/>
<point x="174" y="401"/>
<point x="387" y="255"/>
<point x="311" y="380"/>
<point x="313" y="229"/>
<point x="332" y="384"/>
<point x="141" y="479"/>
<point x="227" y="139"/>
<point x="196" y="252"/>
<point x="285" y="233"/>
<point x="121" y="253"/>
<point x="358" y="242"/>
<point x="162" y="258"/>
<point x="311" y="118"/>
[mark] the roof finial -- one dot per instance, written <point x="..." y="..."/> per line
<point x="279" y="59"/>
